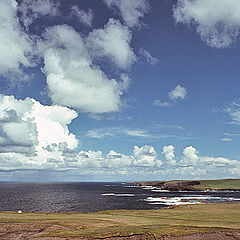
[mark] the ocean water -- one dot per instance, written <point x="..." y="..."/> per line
<point x="91" y="197"/>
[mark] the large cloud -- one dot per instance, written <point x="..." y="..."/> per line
<point x="72" y="79"/>
<point x="31" y="132"/>
<point x="71" y="63"/>
<point x="15" y="45"/>
<point x="131" y="11"/>
<point x="217" y="22"/>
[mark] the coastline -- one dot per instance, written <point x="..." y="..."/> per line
<point x="193" y="185"/>
<point x="207" y="221"/>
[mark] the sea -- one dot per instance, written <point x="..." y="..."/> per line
<point x="92" y="197"/>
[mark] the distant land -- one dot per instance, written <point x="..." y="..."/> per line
<point x="196" y="185"/>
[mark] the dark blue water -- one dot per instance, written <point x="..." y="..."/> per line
<point x="86" y="197"/>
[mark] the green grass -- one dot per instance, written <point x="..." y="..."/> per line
<point x="175" y="221"/>
<point x="219" y="184"/>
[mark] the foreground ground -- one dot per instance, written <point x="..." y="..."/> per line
<point x="211" y="221"/>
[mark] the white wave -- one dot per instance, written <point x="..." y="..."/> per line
<point x="119" y="194"/>
<point x="149" y="187"/>
<point x="191" y="199"/>
<point x="175" y="203"/>
<point x="160" y="190"/>
<point x="108" y="194"/>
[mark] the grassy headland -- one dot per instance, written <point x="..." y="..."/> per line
<point x="221" y="184"/>
<point x="124" y="224"/>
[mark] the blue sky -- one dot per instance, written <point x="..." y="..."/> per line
<point x="119" y="90"/>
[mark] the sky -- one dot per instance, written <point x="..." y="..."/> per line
<point x="119" y="90"/>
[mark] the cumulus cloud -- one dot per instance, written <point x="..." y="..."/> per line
<point x="15" y="45"/>
<point x="190" y="156"/>
<point x="168" y="152"/>
<point x="217" y="22"/>
<point x="89" y="159"/>
<point x="71" y="63"/>
<point x="145" y="156"/>
<point x="118" y="160"/>
<point x="150" y="59"/>
<point x="72" y="79"/>
<point x="131" y="11"/>
<point x="85" y="17"/>
<point x="178" y="92"/>
<point x="113" y="42"/>
<point x="33" y="133"/>
<point x="30" y="10"/>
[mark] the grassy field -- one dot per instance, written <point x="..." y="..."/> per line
<point x="219" y="184"/>
<point x="149" y="224"/>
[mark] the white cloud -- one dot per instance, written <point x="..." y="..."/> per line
<point x="190" y="156"/>
<point x="72" y="79"/>
<point x="178" y="92"/>
<point x="131" y="11"/>
<point x="30" y="10"/>
<point x="145" y="156"/>
<point x="137" y="133"/>
<point x="217" y="22"/>
<point x="160" y="103"/>
<point x="168" y="152"/>
<point x="96" y="133"/>
<point x="85" y="17"/>
<point x="118" y="160"/>
<point x="34" y="133"/>
<point x="234" y="112"/>
<point x="15" y="45"/>
<point x="89" y="159"/>
<point x="99" y="133"/>
<point x="148" y="133"/>
<point x="226" y="139"/>
<point x="232" y="134"/>
<point x="144" y="53"/>
<point x="113" y="42"/>
<point x="219" y="162"/>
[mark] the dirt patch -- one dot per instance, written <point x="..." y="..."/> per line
<point x="21" y="231"/>
<point x="206" y="236"/>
